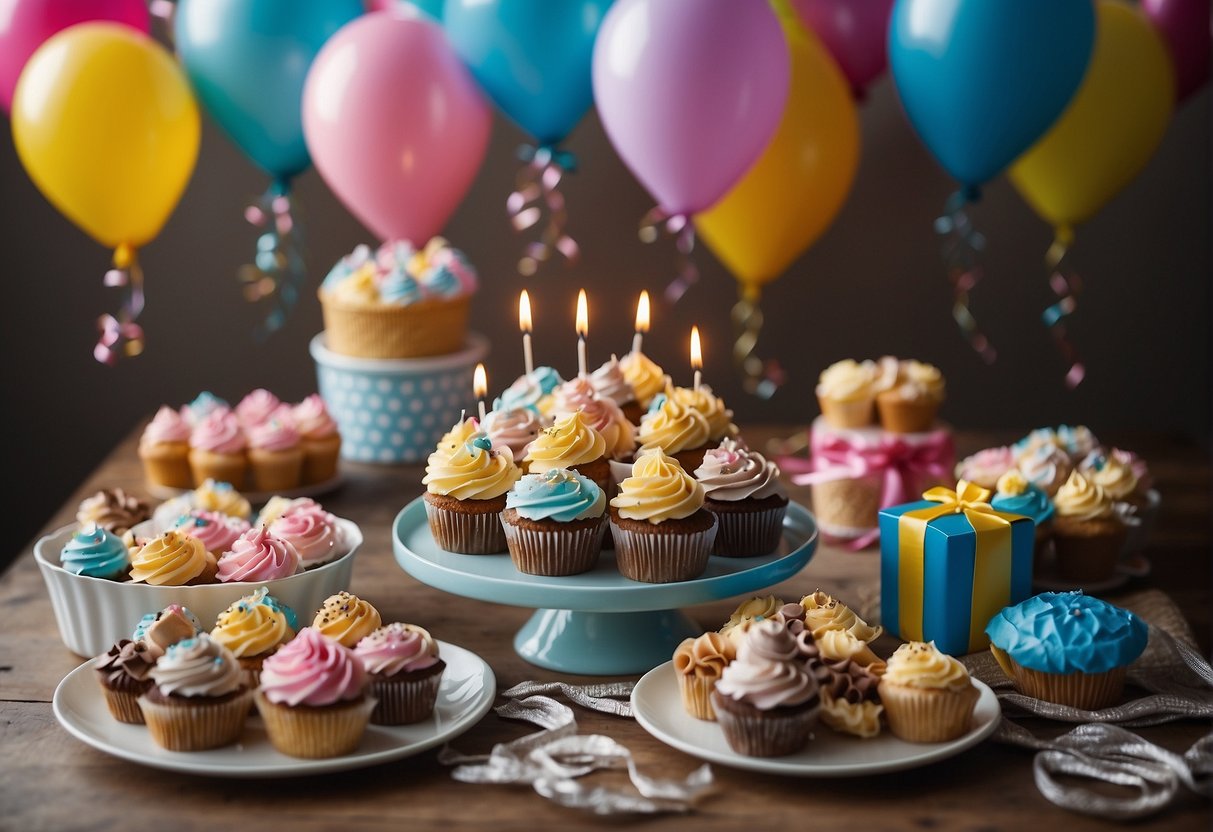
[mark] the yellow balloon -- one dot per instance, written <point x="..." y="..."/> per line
<point x="106" y="126"/>
<point x="1111" y="127"/>
<point x="788" y="198"/>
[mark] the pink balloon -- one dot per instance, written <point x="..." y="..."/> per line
<point x="690" y="92"/>
<point x="1184" y="25"/>
<point x="395" y="124"/>
<point x="854" y="32"/>
<point x="26" y="24"/>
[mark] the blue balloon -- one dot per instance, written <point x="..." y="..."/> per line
<point x="532" y="57"/>
<point x="247" y="61"/>
<point x="982" y="80"/>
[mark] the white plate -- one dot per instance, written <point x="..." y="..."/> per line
<point x="164" y="492"/>
<point x="658" y="708"/>
<point x="465" y="695"/>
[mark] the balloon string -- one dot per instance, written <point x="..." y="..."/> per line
<point x="1067" y="285"/>
<point x="538" y="188"/>
<point x="759" y="377"/>
<point x="961" y="247"/>
<point x="278" y="269"/>
<point x="121" y="335"/>
<point x="680" y="227"/>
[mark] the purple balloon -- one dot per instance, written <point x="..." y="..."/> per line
<point x="690" y="92"/>
<point x="1185" y="26"/>
<point x="854" y="32"/>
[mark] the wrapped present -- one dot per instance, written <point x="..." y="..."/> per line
<point x="948" y="564"/>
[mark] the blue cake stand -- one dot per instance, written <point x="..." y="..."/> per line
<point x="598" y="622"/>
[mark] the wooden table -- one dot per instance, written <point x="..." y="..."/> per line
<point x="50" y="780"/>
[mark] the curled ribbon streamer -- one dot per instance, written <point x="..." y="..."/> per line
<point x="278" y="269"/>
<point x="604" y="697"/>
<point x="1066" y="284"/>
<point x="759" y="378"/>
<point x="121" y="335"/>
<point x="680" y="227"/>
<point x="539" y="182"/>
<point x="961" y="248"/>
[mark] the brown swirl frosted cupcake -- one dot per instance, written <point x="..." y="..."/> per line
<point x="124" y="673"/>
<point x="465" y="495"/>
<point x="742" y="489"/>
<point x="114" y="510"/>
<point x="698" y="663"/>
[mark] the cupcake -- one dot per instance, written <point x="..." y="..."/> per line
<point x="609" y="382"/>
<point x="698" y="665"/>
<point x="603" y="414"/>
<point x="1013" y="494"/>
<point x="529" y="391"/>
<point x="647" y="379"/>
<point x="217" y="495"/>
<point x="405" y="672"/>
<point x="203" y="405"/>
<point x="839" y="631"/>
<point x="312" y="531"/>
<point x="1037" y="438"/>
<point x="114" y="510"/>
<point x="572" y="442"/>
<point x="216" y="530"/>
<point x="158" y="631"/>
<point x="313" y="698"/>
<point x="677" y="429"/>
<point x="319" y="439"/>
<point x="1088" y="533"/>
<point x="554" y="523"/>
<point x="173" y="559"/>
<point x="253" y="628"/>
<point x="927" y="695"/>
<point x="513" y="429"/>
<point x="1067" y="648"/>
<point x="256" y="407"/>
<point x="462" y="432"/>
<point x="199" y="700"/>
<point x="1114" y="476"/>
<point x="752" y="609"/>
<point x="986" y="466"/>
<point x="846" y="393"/>
<point x="217" y="449"/>
<point x="275" y="455"/>
<point x="278" y="505"/>
<point x="164" y="450"/>
<point x="719" y="417"/>
<point x="850" y="703"/>
<point x="743" y="490"/>
<point x="465" y="495"/>
<point x="398" y="302"/>
<point x="1046" y="466"/>
<point x="124" y="673"/>
<point x="661" y="530"/>
<point x="765" y="700"/>
<point x="258" y="556"/>
<point x="346" y="618"/>
<point x="1077" y="441"/>
<point x="910" y="404"/>
<point x="95" y="553"/>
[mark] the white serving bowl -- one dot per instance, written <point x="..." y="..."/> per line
<point x="93" y="613"/>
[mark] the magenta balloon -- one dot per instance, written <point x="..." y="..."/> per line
<point x="1185" y="26"/>
<point x="26" y="24"/>
<point x="690" y="92"/>
<point x="854" y="32"/>
<point x="395" y="124"/>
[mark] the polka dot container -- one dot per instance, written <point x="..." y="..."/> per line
<point x="395" y="410"/>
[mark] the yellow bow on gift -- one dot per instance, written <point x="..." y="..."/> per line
<point x="991" y="565"/>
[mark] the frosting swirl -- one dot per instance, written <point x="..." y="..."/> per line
<point x="203" y="405"/>
<point x="172" y="559"/>
<point x="219" y="433"/>
<point x="168" y="426"/>
<point x="847" y="380"/>
<point x="602" y="414"/>
<point x="918" y="664"/>
<point x="1078" y="441"/>
<point x="397" y="648"/>
<point x="986" y="466"/>
<point x="570" y="442"/>
<point x="312" y="669"/>
<point x="1115" y="477"/>
<point x="1046" y="466"/>
<point x="114" y="510"/>
<point x="823" y="613"/>
<point x="221" y="497"/>
<point x="454" y="439"/>
<point x="658" y="490"/>
<point x="197" y="666"/>
<point x="255" y="624"/>
<point x="758" y="607"/>
<point x="918" y="381"/>
<point x="1015" y="495"/>
<point x="560" y="494"/>
<point x="312" y="418"/>
<point x="673" y="426"/>
<point x="312" y="531"/>
<point x="733" y="472"/>
<point x="278" y="505"/>
<point x="647" y="379"/>
<point x="515" y="429"/>
<point x="273" y="434"/>
<point x="95" y="553"/>
<point x="705" y="657"/>
<point x="1068" y="632"/>
<point x="216" y="530"/>
<point x="767" y="672"/>
<point x="1082" y="499"/>
<point x="474" y="472"/>
<point x="258" y="555"/>
<point x="609" y="382"/>
<point x="524" y="393"/>
<point x="125" y="661"/>
<point x="346" y="618"/>
<point x="719" y="418"/>
<point x="256" y="407"/>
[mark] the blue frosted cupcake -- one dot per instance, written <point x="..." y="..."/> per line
<point x="94" y="552"/>
<point x="1015" y="494"/>
<point x="1067" y="648"/>
<point x="554" y="523"/>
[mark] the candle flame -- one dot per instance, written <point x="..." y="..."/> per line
<point x="642" y="312"/>
<point x="696" y="350"/>
<point x="524" y="311"/>
<point x="480" y="382"/>
<point x="583" y="315"/>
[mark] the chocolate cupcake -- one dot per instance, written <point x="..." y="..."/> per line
<point x="743" y="490"/>
<point x="124" y="673"/>
<point x="405" y="672"/>
<point x="554" y="523"/>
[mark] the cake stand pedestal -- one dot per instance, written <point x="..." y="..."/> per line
<point x="598" y="622"/>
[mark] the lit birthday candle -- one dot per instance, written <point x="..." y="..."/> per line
<point x="696" y="358"/>
<point x="583" y="330"/>
<point x="524" y="323"/>
<point x="642" y="320"/>
<point x="480" y="385"/>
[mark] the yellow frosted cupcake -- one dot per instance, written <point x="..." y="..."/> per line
<point x="846" y="393"/>
<point x="910" y="404"/>
<point x="572" y="442"/>
<point x="677" y="429"/>
<point x="647" y="379"/>
<point x="698" y="663"/>
<point x="1088" y="533"/>
<point x="465" y="495"/>
<point x="927" y="695"/>
<point x="253" y="628"/>
<point x="173" y="559"/>
<point x="346" y="619"/>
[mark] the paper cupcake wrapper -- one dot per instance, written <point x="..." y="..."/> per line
<point x="662" y="558"/>
<point x="315" y="733"/>
<point x="436" y="327"/>
<point x="749" y="534"/>
<point x="1087" y="691"/>
<point x="170" y="471"/>
<point x="197" y="726"/>
<point x="1087" y="559"/>
<point x="404" y="703"/>
<point x="906" y="416"/>
<point x="275" y="472"/>
<point x="697" y="695"/>
<point x="847" y="504"/>
<point x="854" y="414"/>
<point x="123" y="706"/>
<point x="767" y="733"/>
<point x="920" y="715"/>
<point x="466" y="533"/>
<point x="554" y="553"/>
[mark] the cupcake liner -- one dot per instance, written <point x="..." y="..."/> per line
<point x="404" y="702"/>
<point x="773" y="733"/>
<point x="229" y="468"/>
<point x="848" y="503"/>
<point x="900" y="416"/>
<point x="745" y="534"/>
<point x="272" y="471"/>
<point x="167" y="466"/>
<point x="196" y="724"/>
<point x="1087" y="558"/>
<point x="430" y="327"/>
<point x="1087" y="691"/>
<point x="466" y="533"/>
<point x="927" y="714"/>
<point x="555" y="552"/>
<point x="853" y="414"/>
<point x="320" y="459"/>
<point x="656" y="558"/>
<point x="123" y="706"/>
<point x="696" y="694"/>
<point x="315" y="733"/>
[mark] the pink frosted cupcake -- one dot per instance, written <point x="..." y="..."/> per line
<point x="985" y="467"/>
<point x="514" y="429"/>
<point x="275" y="454"/>
<point x="743" y="490"/>
<point x="216" y="531"/>
<point x="164" y="449"/>
<point x="600" y="412"/>
<point x="259" y="556"/>
<point x="217" y="450"/>
<point x="256" y="407"/>
<point x="319" y="439"/>
<point x="313" y="697"/>
<point x="610" y="383"/>
<point x="405" y="672"/>
<point x="312" y="531"/>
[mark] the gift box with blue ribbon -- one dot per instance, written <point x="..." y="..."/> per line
<point x="948" y="564"/>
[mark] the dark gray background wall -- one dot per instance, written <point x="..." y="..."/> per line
<point x="873" y="284"/>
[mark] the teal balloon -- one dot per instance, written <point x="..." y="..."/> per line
<point x="247" y="61"/>
<point x="532" y="57"/>
<point x="982" y="80"/>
